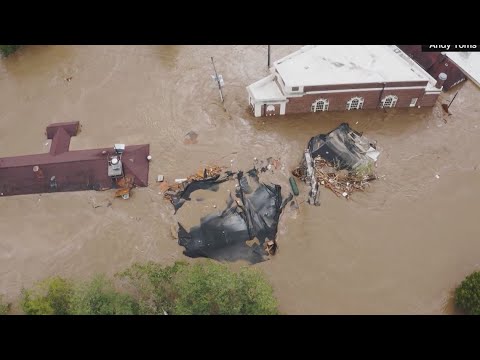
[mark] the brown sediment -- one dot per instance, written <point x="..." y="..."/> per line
<point x="398" y="248"/>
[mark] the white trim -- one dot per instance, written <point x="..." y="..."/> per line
<point x="324" y="106"/>
<point x="359" y="106"/>
<point x="258" y="110"/>
<point x="282" y="108"/>
<point x="392" y="103"/>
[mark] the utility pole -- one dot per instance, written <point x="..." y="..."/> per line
<point x="268" y="64"/>
<point x="218" y="80"/>
<point x="452" y="101"/>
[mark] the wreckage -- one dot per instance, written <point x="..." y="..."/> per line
<point x="251" y="215"/>
<point x="341" y="160"/>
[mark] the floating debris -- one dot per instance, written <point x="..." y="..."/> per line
<point x="190" y="138"/>
<point x="246" y="229"/>
<point x="342" y="161"/>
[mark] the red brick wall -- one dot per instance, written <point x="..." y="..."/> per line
<point x="272" y="113"/>
<point x="428" y="100"/>
<point x="338" y="101"/>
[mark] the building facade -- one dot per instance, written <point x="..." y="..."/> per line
<point x="435" y="63"/>
<point x="321" y="78"/>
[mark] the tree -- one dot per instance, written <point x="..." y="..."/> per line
<point x="153" y="285"/>
<point x="200" y="289"/>
<point x="467" y="295"/>
<point x="212" y="288"/>
<point x="6" y="50"/>
<point x="52" y="296"/>
<point x="256" y="294"/>
<point x="4" y="308"/>
<point x="99" y="297"/>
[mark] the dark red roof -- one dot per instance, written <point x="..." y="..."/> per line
<point x="70" y="127"/>
<point x="435" y="63"/>
<point x="60" y="142"/>
<point x="72" y="170"/>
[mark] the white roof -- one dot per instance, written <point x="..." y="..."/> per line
<point x="469" y="62"/>
<point x="266" y="89"/>
<point x="347" y="64"/>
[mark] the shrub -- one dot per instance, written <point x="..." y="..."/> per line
<point x="4" y="308"/>
<point x="6" y="50"/>
<point x="153" y="285"/>
<point x="99" y="297"/>
<point x="201" y="289"/>
<point x="467" y="295"/>
<point x="52" y="296"/>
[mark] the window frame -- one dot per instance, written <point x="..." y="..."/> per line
<point x="393" y="103"/>
<point x="325" y="104"/>
<point x="359" y="106"/>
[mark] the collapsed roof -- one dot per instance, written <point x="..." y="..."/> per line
<point x="344" y="147"/>
<point x="253" y="214"/>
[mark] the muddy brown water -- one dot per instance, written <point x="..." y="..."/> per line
<point x="399" y="248"/>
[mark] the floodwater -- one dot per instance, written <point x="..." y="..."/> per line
<point x="399" y="248"/>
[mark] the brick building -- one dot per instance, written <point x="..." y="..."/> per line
<point x="63" y="170"/>
<point x="343" y="77"/>
<point x="435" y="63"/>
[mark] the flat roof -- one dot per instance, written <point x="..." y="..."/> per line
<point x="348" y="64"/>
<point x="469" y="62"/>
<point x="266" y="89"/>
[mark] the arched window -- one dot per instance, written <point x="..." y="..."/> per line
<point x="389" y="101"/>
<point x="320" y="105"/>
<point x="355" y="103"/>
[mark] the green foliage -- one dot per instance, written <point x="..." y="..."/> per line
<point x="6" y="50"/>
<point x="207" y="288"/>
<point x="99" y="297"/>
<point x="200" y="289"/>
<point x="467" y="295"/>
<point x="52" y="296"/>
<point x="153" y="285"/>
<point x="4" y="308"/>
<point x="204" y="288"/>
<point x="256" y="294"/>
<point x="211" y="288"/>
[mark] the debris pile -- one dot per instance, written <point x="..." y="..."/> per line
<point x="269" y="164"/>
<point x="342" y="182"/>
<point x="174" y="192"/>
<point x="125" y="185"/>
<point x="207" y="172"/>
<point x="342" y="160"/>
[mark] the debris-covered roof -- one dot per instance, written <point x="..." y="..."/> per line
<point x="253" y="214"/>
<point x="344" y="147"/>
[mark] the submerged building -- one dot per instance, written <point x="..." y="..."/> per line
<point x="63" y="170"/>
<point x="435" y="63"/>
<point x="343" y="77"/>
